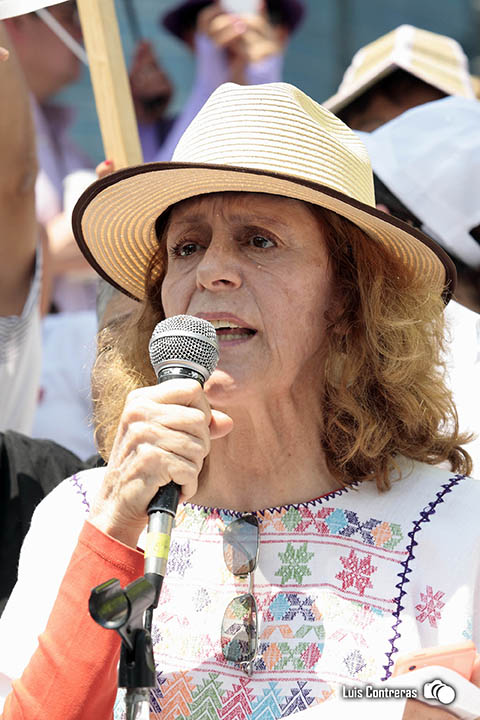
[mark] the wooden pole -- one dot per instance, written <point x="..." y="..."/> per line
<point x="110" y="82"/>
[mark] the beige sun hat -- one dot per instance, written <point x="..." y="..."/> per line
<point x="260" y="138"/>
<point x="436" y="59"/>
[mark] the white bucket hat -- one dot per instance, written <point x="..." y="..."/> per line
<point x="11" y="8"/>
<point x="436" y="59"/>
<point x="429" y="158"/>
<point x="260" y="138"/>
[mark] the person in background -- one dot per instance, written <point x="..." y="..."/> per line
<point x="245" y="47"/>
<point x="20" y="251"/>
<point x="63" y="408"/>
<point x="404" y="68"/>
<point x="31" y="467"/>
<point x="49" y="66"/>
<point x="313" y="445"/>
<point x="426" y="164"/>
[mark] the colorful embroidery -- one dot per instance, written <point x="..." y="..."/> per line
<point x="237" y="703"/>
<point x="180" y="558"/>
<point x="335" y="521"/>
<point x="286" y="606"/>
<point x="309" y="638"/>
<point x="468" y="632"/>
<point x="425" y="516"/>
<point x="432" y="604"/>
<point x="74" y="480"/>
<point x="357" y="572"/>
<point x="355" y="662"/>
<point x="156" y="694"/>
<point x="201" y="599"/>
<point x="206" y="699"/>
<point x="294" y="563"/>
<point x="177" y="695"/>
<point x="267" y="705"/>
<point x="298" y="699"/>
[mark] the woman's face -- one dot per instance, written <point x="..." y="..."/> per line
<point x="256" y="266"/>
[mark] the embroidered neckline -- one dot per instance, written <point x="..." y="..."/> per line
<point x="276" y="509"/>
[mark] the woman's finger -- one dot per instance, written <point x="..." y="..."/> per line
<point x="220" y="425"/>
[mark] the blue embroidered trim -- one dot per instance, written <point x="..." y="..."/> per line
<point x="295" y="506"/>
<point x="80" y="490"/>
<point x="236" y="513"/>
<point x="425" y="515"/>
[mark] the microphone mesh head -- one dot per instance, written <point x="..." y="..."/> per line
<point x="185" y="339"/>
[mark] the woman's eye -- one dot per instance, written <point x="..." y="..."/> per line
<point x="183" y="249"/>
<point x="260" y="241"/>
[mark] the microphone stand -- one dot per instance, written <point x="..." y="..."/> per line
<point x="115" y="608"/>
<point x="129" y="611"/>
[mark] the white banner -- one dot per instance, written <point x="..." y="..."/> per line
<point x="10" y="8"/>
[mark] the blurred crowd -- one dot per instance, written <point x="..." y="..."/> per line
<point x="409" y="95"/>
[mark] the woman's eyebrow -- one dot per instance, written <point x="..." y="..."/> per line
<point x="259" y="219"/>
<point x="246" y="219"/>
<point x="187" y="220"/>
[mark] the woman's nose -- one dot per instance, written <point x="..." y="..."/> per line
<point x="220" y="267"/>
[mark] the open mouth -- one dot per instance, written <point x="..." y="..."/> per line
<point x="229" y="331"/>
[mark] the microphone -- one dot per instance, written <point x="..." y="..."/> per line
<point x="182" y="347"/>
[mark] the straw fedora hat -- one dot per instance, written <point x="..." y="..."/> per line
<point x="12" y="8"/>
<point x="259" y="138"/>
<point x="436" y="59"/>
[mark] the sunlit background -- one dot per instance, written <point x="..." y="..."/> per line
<point x="317" y="56"/>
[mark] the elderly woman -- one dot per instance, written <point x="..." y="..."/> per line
<point x="322" y="424"/>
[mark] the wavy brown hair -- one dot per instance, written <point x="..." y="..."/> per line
<point x="384" y="385"/>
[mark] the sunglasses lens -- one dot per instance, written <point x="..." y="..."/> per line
<point x="240" y="545"/>
<point x="239" y="630"/>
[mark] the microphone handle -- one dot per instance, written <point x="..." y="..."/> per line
<point x="162" y="509"/>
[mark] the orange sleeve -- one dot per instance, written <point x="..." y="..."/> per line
<point x="73" y="673"/>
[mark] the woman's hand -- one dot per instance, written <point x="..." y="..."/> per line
<point x="415" y="710"/>
<point x="164" y="434"/>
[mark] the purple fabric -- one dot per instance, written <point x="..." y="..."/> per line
<point x="57" y="155"/>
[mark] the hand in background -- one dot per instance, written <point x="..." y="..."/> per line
<point x="151" y="86"/>
<point x="106" y="167"/>
<point x="246" y="39"/>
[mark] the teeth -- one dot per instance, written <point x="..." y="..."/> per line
<point x="233" y="336"/>
<point x="223" y="324"/>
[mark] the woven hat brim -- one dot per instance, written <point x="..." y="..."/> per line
<point x="114" y="219"/>
<point x="343" y="98"/>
